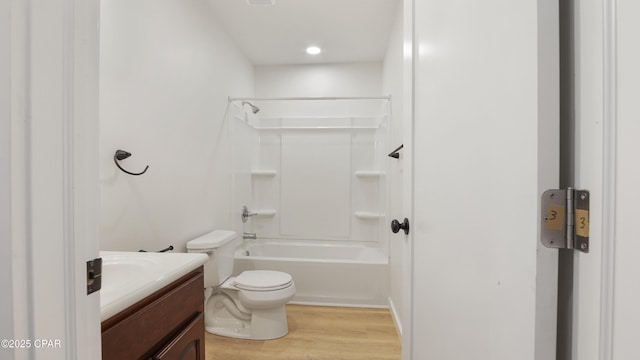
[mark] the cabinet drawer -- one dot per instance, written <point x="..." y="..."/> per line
<point x="141" y="330"/>
<point x="187" y="345"/>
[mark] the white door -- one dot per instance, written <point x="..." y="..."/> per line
<point x="605" y="311"/>
<point x="485" y="146"/>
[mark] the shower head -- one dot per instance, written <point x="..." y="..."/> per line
<point x="254" y="109"/>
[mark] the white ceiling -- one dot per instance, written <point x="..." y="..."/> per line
<point x="346" y="30"/>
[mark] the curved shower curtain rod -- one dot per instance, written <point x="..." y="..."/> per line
<point x="388" y="97"/>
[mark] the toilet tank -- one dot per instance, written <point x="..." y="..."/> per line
<point x="220" y="246"/>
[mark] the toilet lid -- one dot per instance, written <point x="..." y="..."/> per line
<point x="262" y="280"/>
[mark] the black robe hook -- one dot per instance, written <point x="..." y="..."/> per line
<point x="121" y="155"/>
<point x="396" y="153"/>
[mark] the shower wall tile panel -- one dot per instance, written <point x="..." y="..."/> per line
<point x="316" y="184"/>
<point x="266" y="189"/>
<point x="243" y="153"/>
<point x="363" y="79"/>
<point x="364" y="190"/>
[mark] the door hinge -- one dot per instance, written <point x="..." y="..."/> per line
<point x="94" y="275"/>
<point x="564" y="220"/>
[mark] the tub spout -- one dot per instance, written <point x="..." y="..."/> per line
<point x="251" y="236"/>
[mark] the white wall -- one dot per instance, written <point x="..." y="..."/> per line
<point x="166" y="70"/>
<point x="318" y="80"/>
<point x="393" y="84"/>
<point x="349" y="79"/>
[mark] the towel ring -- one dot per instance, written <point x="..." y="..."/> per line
<point x="121" y="155"/>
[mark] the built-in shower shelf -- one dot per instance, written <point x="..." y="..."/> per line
<point x="369" y="174"/>
<point x="368" y="215"/>
<point x="265" y="212"/>
<point x="266" y="173"/>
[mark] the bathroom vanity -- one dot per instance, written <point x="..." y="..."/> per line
<point x="168" y="324"/>
<point x="152" y="305"/>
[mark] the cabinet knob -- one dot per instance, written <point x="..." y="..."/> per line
<point x="397" y="226"/>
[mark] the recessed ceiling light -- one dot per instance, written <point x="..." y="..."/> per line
<point x="261" y="2"/>
<point x="313" y="50"/>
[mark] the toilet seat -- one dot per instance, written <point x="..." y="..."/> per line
<point x="261" y="280"/>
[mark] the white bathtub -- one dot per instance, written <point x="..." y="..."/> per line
<point x="324" y="274"/>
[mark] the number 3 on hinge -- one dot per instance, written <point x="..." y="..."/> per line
<point x="582" y="222"/>
<point x="555" y="218"/>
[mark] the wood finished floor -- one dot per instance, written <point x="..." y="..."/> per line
<point x="318" y="333"/>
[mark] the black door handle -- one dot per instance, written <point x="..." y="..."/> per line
<point x="397" y="225"/>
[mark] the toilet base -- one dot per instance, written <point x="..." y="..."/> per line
<point x="264" y="325"/>
<point x="261" y="316"/>
<point x="238" y="333"/>
<point x="269" y="324"/>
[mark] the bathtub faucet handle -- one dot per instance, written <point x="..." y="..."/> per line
<point x="246" y="214"/>
<point x="251" y="236"/>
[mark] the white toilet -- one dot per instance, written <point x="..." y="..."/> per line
<point x="248" y="306"/>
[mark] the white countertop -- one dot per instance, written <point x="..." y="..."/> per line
<point x="128" y="277"/>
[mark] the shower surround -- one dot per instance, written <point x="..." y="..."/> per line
<point x="313" y="170"/>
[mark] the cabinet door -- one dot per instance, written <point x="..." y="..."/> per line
<point x="187" y="345"/>
<point x="138" y="331"/>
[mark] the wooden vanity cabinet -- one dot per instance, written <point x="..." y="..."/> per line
<point x="167" y="325"/>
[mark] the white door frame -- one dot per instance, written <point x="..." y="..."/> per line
<point x="595" y="71"/>
<point x="83" y="152"/>
<point x="6" y="218"/>
<point x="609" y="177"/>
<point x="409" y="48"/>
<point x="52" y="181"/>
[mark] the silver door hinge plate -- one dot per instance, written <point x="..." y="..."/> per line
<point x="564" y="220"/>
